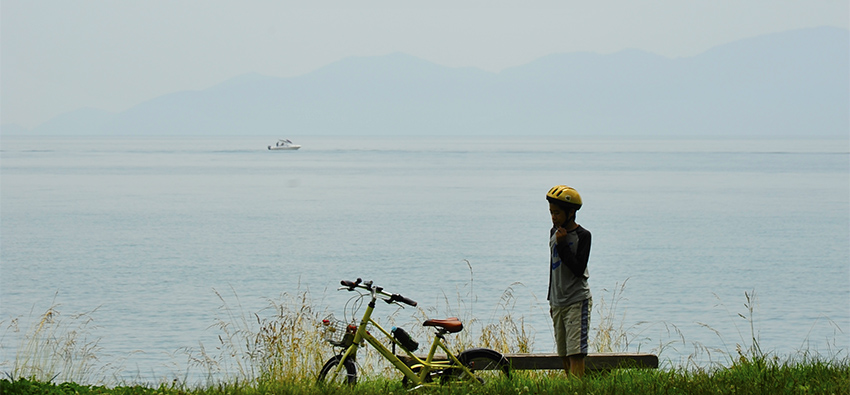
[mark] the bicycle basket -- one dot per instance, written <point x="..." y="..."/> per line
<point x="337" y="332"/>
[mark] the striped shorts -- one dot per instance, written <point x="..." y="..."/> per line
<point x="572" y="324"/>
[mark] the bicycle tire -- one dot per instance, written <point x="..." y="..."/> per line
<point x="484" y="363"/>
<point x="347" y="376"/>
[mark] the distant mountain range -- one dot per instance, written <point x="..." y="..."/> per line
<point x="790" y="84"/>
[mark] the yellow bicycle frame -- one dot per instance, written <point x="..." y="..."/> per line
<point x="425" y="366"/>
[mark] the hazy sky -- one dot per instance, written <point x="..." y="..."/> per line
<point x="59" y="56"/>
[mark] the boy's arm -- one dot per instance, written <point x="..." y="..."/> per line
<point x="576" y="263"/>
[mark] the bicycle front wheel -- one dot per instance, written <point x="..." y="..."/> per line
<point x="347" y="375"/>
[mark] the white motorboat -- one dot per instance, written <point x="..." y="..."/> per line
<point x="284" y="144"/>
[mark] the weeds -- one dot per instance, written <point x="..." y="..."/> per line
<point x="56" y="348"/>
<point x="285" y="346"/>
<point x="504" y="334"/>
<point x="611" y="336"/>
<point x="280" y="350"/>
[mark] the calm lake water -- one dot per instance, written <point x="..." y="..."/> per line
<point x="142" y="233"/>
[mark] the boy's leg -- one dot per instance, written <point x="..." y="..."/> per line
<point x="566" y="361"/>
<point x="578" y="326"/>
<point x="559" y="318"/>
<point x="576" y="365"/>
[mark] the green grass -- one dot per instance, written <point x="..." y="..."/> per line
<point x="745" y="377"/>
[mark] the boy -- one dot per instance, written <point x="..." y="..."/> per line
<point x="569" y="295"/>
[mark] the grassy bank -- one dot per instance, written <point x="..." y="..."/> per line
<point x="745" y="377"/>
<point x="281" y="350"/>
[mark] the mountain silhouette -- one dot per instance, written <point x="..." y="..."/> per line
<point x="790" y="84"/>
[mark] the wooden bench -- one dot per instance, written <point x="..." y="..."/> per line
<point x="595" y="362"/>
<point x="591" y="362"/>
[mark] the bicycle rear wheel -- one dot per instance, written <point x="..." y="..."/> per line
<point x="347" y="375"/>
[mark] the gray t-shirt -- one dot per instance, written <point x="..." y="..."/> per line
<point x="568" y="272"/>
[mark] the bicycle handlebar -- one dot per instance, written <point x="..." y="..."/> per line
<point x="402" y="299"/>
<point x="350" y="285"/>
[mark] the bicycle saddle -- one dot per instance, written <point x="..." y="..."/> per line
<point x="451" y="325"/>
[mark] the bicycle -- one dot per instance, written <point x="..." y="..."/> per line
<point x="463" y="367"/>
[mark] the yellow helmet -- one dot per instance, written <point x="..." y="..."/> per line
<point x="564" y="196"/>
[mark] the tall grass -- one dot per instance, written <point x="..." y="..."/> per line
<point x="505" y="333"/>
<point x="55" y="348"/>
<point x="283" y="346"/>
<point x="501" y="330"/>
<point x="280" y="349"/>
<point x="611" y="334"/>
